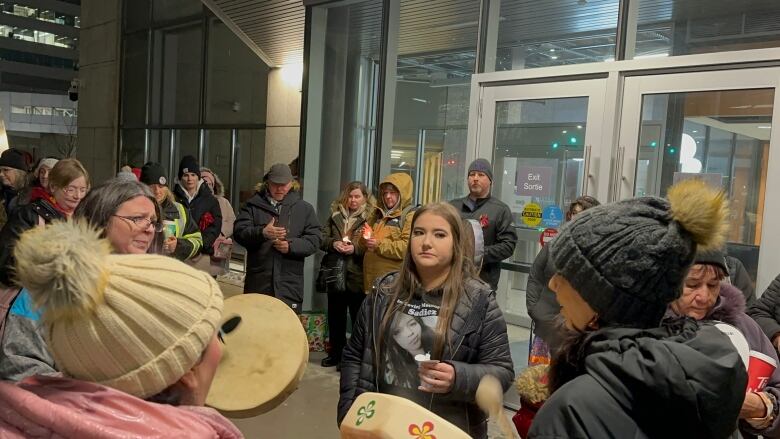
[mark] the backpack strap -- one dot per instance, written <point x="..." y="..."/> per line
<point x="7" y="297"/>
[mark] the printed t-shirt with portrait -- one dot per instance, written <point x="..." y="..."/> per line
<point x="410" y="333"/>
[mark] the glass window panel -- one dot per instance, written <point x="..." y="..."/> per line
<point x="237" y="79"/>
<point x="133" y="148"/>
<point x="251" y="164"/>
<point x="166" y="10"/>
<point x="436" y="58"/>
<point x="720" y="136"/>
<point x="217" y="156"/>
<point x="177" y="71"/>
<point x="683" y="27"/>
<point x="136" y="14"/>
<point x="555" y="32"/>
<point x="348" y="75"/>
<point x="134" y="79"/>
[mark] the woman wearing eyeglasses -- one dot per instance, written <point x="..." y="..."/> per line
<point x="68" y="183"/>
<point x="128" y="216"/>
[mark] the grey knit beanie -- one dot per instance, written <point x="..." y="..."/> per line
<point x="481" y="165"/>
<point x="628" y="259"/>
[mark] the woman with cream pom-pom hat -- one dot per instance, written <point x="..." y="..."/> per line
<point x="618" y="266"/>
<point x="124" y="330"/>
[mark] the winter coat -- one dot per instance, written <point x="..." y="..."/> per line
<point x="541" y="303"/>
<point x="766" y="310"/>
<point x="269" y="271"/>
<point x="740" y="278"/>
<point x="334" y="230"/>
<point x="54" y="407"/>
<point x="23" y="350"/>
<point x="391" y="233"/>
<point x="22" y="219"/>
<point x="205" y="212"/>
<point x="684" y="379"/>
<point x="497" y="229"/>
<point x="730" y="308"/>
<point x="188" y="237"/>
<point x="478" y="332"/>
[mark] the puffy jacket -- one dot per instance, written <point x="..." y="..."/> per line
<point x="739" y="277"/>
<point x="54" y="407"/>
<point x="684" y="379"/>
<point x="23" y="350"/>
<point x="478" y="332"/>
<point x="269" y="271"/>
<point x="22" y="219"/>
<point x="188" y="237"/>
<point x="730" y="308"/>
<point x="391" y="233"/>
<point x="205" y="212"/>
<point x="499" y="233"/>
<point x="334" y="230"/>
<point x="766" y="310"/>
<point x="541" y="303"/>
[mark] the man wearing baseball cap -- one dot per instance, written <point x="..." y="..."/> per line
<point x="493" y="215"/>
<point x="279" y="230"/>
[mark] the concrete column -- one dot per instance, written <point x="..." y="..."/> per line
<point x="98" y="106"/>
<point x="283" y="115"/>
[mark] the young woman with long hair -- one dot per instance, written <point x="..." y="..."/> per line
<point x="437" y="287"/>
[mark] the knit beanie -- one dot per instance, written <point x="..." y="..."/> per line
<point x="188" y="164"/>
<point x="481" y="165"/>
<point x="154" y="173"/>
<point x="628" y="259"/>
<point x="13" y="158"/>
<point x="136" y="323"/>
<point x="48" y="162"/>
<point x="712" y="257"/>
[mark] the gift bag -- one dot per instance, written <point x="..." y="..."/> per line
<point x="316" y="326"/>
<point x="540" y="352"/>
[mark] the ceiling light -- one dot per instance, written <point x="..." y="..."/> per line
<point x="764" y="127"/>
<point x="420" y="100"/>
<point x="579" y="127"/>
<point x="564" y="132"/>
<point x="554" y="57"/>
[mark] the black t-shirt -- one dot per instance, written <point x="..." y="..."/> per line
<point x="411" y="332"/>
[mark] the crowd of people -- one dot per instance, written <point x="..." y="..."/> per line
<point x="110" y="293"/>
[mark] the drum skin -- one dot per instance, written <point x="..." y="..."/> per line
<point x="263" y="358"/>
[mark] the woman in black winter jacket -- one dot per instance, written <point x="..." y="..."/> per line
<point x="340" y="240"/>
<point x="623" y="374"/>
<point x="437" y="290"/>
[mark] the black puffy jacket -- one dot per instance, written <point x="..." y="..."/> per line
<point x="541" y="303"/>
<point x="206" y="213"/>
<point x="22" y="219"/>
<point x="479" y="333"/>
<point x="683" y="380"/>
<point x="766" y="310"/>
<point x="267" y="270"/>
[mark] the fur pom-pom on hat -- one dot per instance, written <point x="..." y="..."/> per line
<point x="628" y="259"/>
<point x="136" y="323"/>
<point x="64" y="267"/>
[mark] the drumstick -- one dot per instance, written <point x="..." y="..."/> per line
<point x="490" y="398"/>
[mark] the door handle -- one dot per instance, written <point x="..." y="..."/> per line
<point x="618" y="173"/>
<point x="586" y="177"/>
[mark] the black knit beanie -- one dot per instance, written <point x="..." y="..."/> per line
<point x="153" y="173"/>
<point x="13" y="158"/>
<point x="628" y="260"/>
<point x="189" y="164"/>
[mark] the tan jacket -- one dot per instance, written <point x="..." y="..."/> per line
<point x="391" y="238"/>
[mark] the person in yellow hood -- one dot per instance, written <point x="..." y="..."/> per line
<point x="390" y="235"/>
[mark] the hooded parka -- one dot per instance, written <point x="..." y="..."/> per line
<point x="391" y="232"/>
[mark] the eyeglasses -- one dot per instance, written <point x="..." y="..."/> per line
<point x="229" y="326"/>
<point x="70" y="190"/>
<point x="143" y="223"/>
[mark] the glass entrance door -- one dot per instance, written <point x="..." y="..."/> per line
<point x="542" y="140"/>
<point x="716" y="126"/>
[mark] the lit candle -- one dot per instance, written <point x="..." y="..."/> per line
<point x="346" y="239"/>
<point x="367" y="232"/>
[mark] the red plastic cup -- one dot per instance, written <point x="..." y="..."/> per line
<point x="760" y="369"/>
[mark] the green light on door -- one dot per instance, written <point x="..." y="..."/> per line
<point x="555" y="145"/>
<point x="573" y="140"/>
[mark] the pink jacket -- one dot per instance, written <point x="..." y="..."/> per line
<point x="53" y="407"/>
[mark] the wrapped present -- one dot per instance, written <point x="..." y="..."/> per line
<point x="540" y="352"/>
<point x="316" y="325"/>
